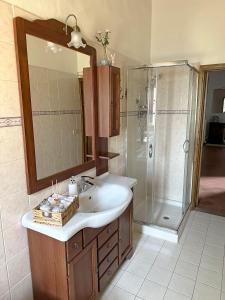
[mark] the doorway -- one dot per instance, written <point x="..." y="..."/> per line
<point x="209" y="190"/>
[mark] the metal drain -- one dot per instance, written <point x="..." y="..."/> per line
<point x="166" y="218"/>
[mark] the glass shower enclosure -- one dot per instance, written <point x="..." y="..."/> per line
<point x="161" y="112"/>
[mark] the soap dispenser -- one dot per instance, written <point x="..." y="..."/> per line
<point x="72" y="187"/>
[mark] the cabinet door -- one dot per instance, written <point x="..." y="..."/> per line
<point x="108" y="101"/>
<point x="125" y="233"/>
<point x="82" y="277"/>
<point x="115" y="102"/>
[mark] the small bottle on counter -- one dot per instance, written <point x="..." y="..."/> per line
<point x="72" y="187"/>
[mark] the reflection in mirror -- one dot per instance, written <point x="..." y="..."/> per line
<point x="56" y="87"/>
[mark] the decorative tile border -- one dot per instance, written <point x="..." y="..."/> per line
<point x="172" y="111"/>
<point x="123" y="114"/>
<point x="158" y="112"/>
<point x="56" y="112"/>
<point x="10" y="122"/>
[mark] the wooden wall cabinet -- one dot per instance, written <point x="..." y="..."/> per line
<point x="81" y="267"/>
<point x="108" y="78"/>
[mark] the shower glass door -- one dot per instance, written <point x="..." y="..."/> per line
<point x="171" y="145"/>
<point x="161" y="111"/>
<point x="140" y="139"/>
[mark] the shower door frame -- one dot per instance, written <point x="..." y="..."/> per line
<point x="202" y="92"/>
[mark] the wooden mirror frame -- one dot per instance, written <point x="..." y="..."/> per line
<point x="50" y="30"/>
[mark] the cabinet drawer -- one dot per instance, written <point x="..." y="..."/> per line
<point x="89" y="234"/>
<point x="107" y="247"/>
<point x="108" y="274"/>
<point x="108" y="260"/>
<point x="74" y="246"/>
<point x="107" y="233"/>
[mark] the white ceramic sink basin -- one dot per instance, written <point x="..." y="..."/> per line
<point x="102" y="204"/>
<point x="99" y="206"/>
<point x="105" y="198"/>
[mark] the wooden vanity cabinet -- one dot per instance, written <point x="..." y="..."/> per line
<point x="108" y="101"/>
<point x="81" y="267"/>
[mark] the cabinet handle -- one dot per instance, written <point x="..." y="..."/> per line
<point x="108" y="260"/>
<point x="108" y="245"/>
<point x="75" y="246"/>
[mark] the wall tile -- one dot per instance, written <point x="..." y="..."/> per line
<point x="12" y="242"/>
<point x="5" y="296"/>
<point x="6" y="23"/>
<point x="2" y="249"/>
<point x="18" y="267"/>
<point x="23" y="290"/>
<point x="8" y="62"/>
<point x="13" y="178"/>
<point x="11" y="144"/>
<point x="4" y="286"/>
<point x="18" y="12"/>
<point x="9" y="99"/>
<point x="14" y="208"/>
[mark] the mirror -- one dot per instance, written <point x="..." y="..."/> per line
<point x="56" y="88"/>
<point x="57" y="85"/>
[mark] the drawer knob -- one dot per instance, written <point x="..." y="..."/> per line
<point x="108" y="260"/>
<point x="108" y="245"/>
<point x="75" y="246"/>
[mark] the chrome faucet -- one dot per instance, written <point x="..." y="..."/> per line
<point x="85" y="183"/>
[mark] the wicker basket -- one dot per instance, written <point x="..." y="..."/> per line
<point x="55" y="218"/>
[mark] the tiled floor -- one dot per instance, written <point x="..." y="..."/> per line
<point x="192" y="269"/>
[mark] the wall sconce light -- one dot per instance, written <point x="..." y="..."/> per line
<point x="76" y="36"/>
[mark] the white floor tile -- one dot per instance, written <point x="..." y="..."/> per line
<point x="151" y="291"/>
<point x="211" y="263"/>
<point x="197" y="260"/>
<point x="130" y="282"/>
<point x="193" y="247"/>
<point x="205" y="292"/>
<point x="214" y="240"/>
<point x="210" y="278"/>
<point x="166" y="262"/>
<point x="160" y="275"/>
<point x="190" y="257"/>
<point x="146" y="256"/>
<point x="171" y="249"/>
<point x="186" y="269"/>
<point x="214" y="251"/>
<point x="182" y="285"/>
<point x="139" y="267"/>
<point x="171" y="295"/>
<point x="120" y="294"/>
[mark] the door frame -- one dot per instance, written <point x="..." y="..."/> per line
<point x="202" y="92"/>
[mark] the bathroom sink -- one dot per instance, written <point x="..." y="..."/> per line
<point x="99" y="206"/>
<point x="104" y="198"/>
<point x="104" y="203"/>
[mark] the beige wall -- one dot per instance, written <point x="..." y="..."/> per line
<point x="127" y="19"/>
<point x="190" y="30"/>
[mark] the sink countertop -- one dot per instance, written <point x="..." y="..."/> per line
<point x="79" y="220"/>
<point x="116" y="179"/>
